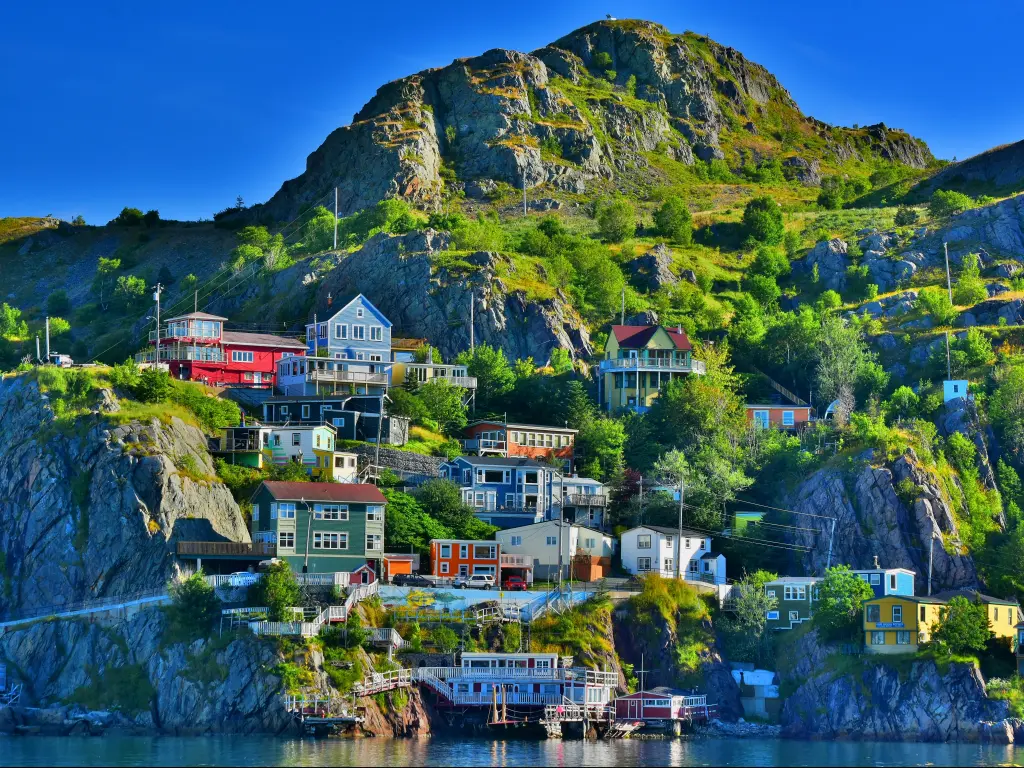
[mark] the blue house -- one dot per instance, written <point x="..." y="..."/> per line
<point x="354" y="417"/>
<point x="888" y="581"/>
<point x="506" y="492"/>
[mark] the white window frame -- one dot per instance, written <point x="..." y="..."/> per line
<point x="643" y="563"/>
<point x="375" y="513"/>
<point x="788" y="419"/>
<point x="897" y="614"/>
<point x="305" y="411"/>
<point x="340" y="537"/>
<point x="336" y="512"/>
<point x="296" y="438"/>
<point x="374" y="542"/>
<point x="551" y="541"/>
<point x="516" y="541"/>
<point x="286" y="510"/>
<point x="359" y="312"/>
<point x="643" y="541"/>
<point x="772" y="616"/>
<point x="376" y="333"/>
<point x="903" y="637"/>
<point x="286" y="540"/>
<point x="444" y="567"/>
<point x="876" y="579"/>
<point x="878" y="638"/>
<point x="446" y="551"/>
<point x="241" y="356"/>
<point x="358" y="333"/>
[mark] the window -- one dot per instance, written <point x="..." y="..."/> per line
<point x="923" y="613"/>
<point x="340" y="332"/>
<point x="322" y="331"/>
<point x="286" y="540"/>
<point x="995" y="616"/>
<point x="787" y="419"/>
<point x="903" y="638"/>
<point x="358" y="332"/>
<point x="897" y="614"/>
<point x="551" y="541"/>
<point x="643" y="542"/>
<point x="241" y="357"/>
<point x="794" y="615"/>
<point x="772" y="615"/>
<point x="1009" y="617"/>
<point x="878" y="638"/>
<point x="873" y="613"/>
<point x="318" y="441"/>
<point x="643" y="563"/>
<point x="359" y="312"/>
<point x="686" y="543"/>
<point x="668" y="541"/>
<point x="669" y="564"/>
<point x="286" y="511"/>
<point x="875" y="580"/>
<point x="330" y="511"/>
<point x="375" y="359"/>
<point x="255" y="513"/>
<point x="374" y="541"/>
<point x="590" y="543"/>
<point x="340" y="422"/>
<point x="693" y="566"/>
<point x="771" y="592"/>
<point x="892" y="582"/>
<point x="444" y="567"/>
<point x="296" y="438"/>
<point x="374" y="513"/>
<point x="284" y="410"/>
<point x="446" y="550"/>
<point x="794" y="593"/>
<point x="485" y="551"/>
<point x="761" y="419"/>
<point x="463" y="551"/>
<point x="376" y="333"/>
<point x="517" y="541"/>
<point x="703" y="544"/>
<point x="330" y="540"/>
<point x="305" y="411"/>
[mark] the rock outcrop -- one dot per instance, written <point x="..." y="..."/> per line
<point x="654" y="269"/>
<point x="1001" y="168"/>
<point x="424" y="293"/>
<point x="961" y="415"/>
<point x="999" y="228"/>
<point x="829" y="256"/>
<point x="881" y="702"/>
<point x="97" y="510"/>
<point x="886" y="509"/>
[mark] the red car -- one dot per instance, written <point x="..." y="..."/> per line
<point x="515" y="583"/>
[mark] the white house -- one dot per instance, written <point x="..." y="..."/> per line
<point x="648" y="548"/>
<point x="540" y="543"/>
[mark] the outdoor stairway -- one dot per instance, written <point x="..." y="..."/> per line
<point x="380" y="682"/>
<point x="796" y="400"/>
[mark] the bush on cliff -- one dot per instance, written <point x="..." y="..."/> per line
<point x="842" y="596"/>
<point x="193" y="610"/>
<point x="963" y="626"/>
<point x="277" y="590"/>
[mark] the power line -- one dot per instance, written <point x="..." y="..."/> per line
<point x="777" y="509"/>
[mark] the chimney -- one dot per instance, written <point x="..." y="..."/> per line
<point x="877" y="566"/>
<point x="679" y="328"/>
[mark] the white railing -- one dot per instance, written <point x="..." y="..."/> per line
<point x="347" y="377"/>
<point x="388" y="636"/>
<point x="505" y="697"/>
<point x="571" y="712"/>
<point x="516" y="561"/>
<point x="239" y="580"/>
<point x="378" y="682"/>
<point x="466" y="382"/>
<point x="575" y="674"/>
<point x="651" y="364"/>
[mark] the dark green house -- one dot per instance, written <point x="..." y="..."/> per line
<point x="321" y="527"/>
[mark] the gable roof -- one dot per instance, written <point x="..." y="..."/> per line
<point x="361" y="493"/>
<point x="345" y="302"/>
<point x="261" y="340"/>
<point x="664" y="529"/>
<point x="637" y="336"/>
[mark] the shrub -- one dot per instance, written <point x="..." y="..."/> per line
<point x="194" y="608"/>
<point x="764" y="289"/>
<point x="445" y="639"/>
<point x="948" y="203"/>
<point x="770" y="262"/>
<point x="673" y="221"/>
<point x="976" y="347"/>
<point x="153" y="386"/>
<point x="905" y="216"/>
<point x="963" y="626"/>
<point x="935" y="302"/>
<point x="969" y="288"/>
<point x="129" y="291"/>
<point x="125" y="376"/>
<point x="151" y="218"/>
<point x="601" y="61"/>
<point x="129" y="217"/>
<point x="616" y="220"/>
<point x="762" y="218"/>
<point x="58" y="303"/>
<point x="277" y="590"/>
<point x="842" y="595"/>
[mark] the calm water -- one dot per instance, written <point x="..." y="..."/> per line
<point x="113" y="750"/>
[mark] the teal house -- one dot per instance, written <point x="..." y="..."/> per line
<point x="321" y="527"/>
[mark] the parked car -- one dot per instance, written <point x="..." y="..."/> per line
<point x="475" y="581"/>
<point x="242" y="579"/>
<point x="515" y="584"/>
<point x="411" y="580"/>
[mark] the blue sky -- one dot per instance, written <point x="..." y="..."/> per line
<point x="183" y="106"/>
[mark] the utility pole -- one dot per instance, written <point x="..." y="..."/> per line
<point x="679" y="536"/>
<point x="316" y="337"/>
<point x="380" y="428"/>
<point x="156" y="298"/>
<point x="622" y="313"/>
<point x="335" y="218"/>
<point x="949" y="364"/>
<point x="949" y="282"/>
<point x="48" y="339"/>
<point x="38" y="358"/>
<point x="309" y="524"/>
<point x="641" y="499"/>
<point x="830" y="537"/>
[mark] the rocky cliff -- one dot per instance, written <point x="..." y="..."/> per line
<point x="96" y="509"/>
<point x="999" y="170"/>
<point x="425" y="293"/>
<point x="883" y="509"/>
<point x="548" y="118"/>
<point x="843" y="697"/>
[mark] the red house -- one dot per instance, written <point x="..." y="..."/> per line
<point x="197" y="348"/>
<point x="788" y="417"/>
<point x="529" y="441"/>
<point x="665" y="704"/>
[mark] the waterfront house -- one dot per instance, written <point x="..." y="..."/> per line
<point x="322" y="527"/>
<point x="195" y="347"/>
<point x="494" y="437"/>
<point x="652" y="549"/>
<point x="786" y="417"/>
<point x="540" y="545"/>
<point x="450" y="558"/>
<point x="900" y="623"/>
<point x="506" y="492"/>
<point x="798" y="596"/>
<point x="639" y="361"/>
<point x="668" y="706"/>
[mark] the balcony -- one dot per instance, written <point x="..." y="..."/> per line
<point x="182" y="337"/>
<point x="653" y="364"/>
<point x="236" y="444"/>
<point x="226" y="549"/>
<point x="516" y="561"/>
<point x="585" y="500"/>
<point x="466" y="382"/>
<point x="336" y="376"/>
<point x="177" y="351"/>
<point x="488" y="446"/>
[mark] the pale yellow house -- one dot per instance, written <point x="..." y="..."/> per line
<point x="404" y="367"/>
<point x="638" y="361"/>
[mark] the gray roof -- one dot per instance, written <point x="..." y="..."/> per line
<point x="498" y="461"/>
<point x="710" y="556"/>
<point x="261" y="340"/>
<point x="794" y="579"/>
<point x="972" y="595"/>
<point x="674" y="531"/>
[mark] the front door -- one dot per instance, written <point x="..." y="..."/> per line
<point x="463" y="570"/>
<point x="634" y="708"/>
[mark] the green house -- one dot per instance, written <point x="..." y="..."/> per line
<point x="321" y="527"/>
<point x="797" y="598"/>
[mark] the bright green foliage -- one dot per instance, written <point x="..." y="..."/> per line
<point x="960" y="451"/>
<point x="601" y="61"/>
<point x="194" y="608"/>
<point x="1012" y="493"/>
<point x="841" y="357"/>
<point x="153" y="386"/>
<point x="1006" y="408"/>
<point x="842" y="595"/>
<point x="673" y="221"/>
<point x="318" y="232"/>
<point x="616" y="220"/>
<point x="492" y="370"/>
<point x="561" y="361"/>
<point x="130" y="291"/>
<point x="969" y="288"/>
<point x="905" y="216"/>
<point x="762" y="218"/>
<point x="903" y="404"/>
<point x="212" y="413"/>
<point x="11" y="324"/>
<point x="936" y="304"/>
<point x="765" y="290"/>
<point x="442" y="500"/>
<point x="963" y="626"/>
<point x="125" y="376"/>
<point x="404" y="403"/>
<point x="408" y="527"/>
<point x="443" y="402"/>
<point x="976" y="347"/>
<point x="59" y="326"/>
<point x="770" y="262"/>
<point x="601" y="440"/>
<point x="948" y="203"/>
<point x="445" y="639"/>
<point x="836" y="190"/>
<point x="129" y="217"/>
<point x="744" y="632"/>
<point x="277" y="590"/>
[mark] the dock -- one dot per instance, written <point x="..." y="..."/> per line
<point x="321" y="715"/>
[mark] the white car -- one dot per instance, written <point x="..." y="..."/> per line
<point x="476" y="581"/>
<point x="242" y="579"/>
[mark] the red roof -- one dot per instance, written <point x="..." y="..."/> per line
<point x="637" y="336"/>
<point x="360" y="493"/>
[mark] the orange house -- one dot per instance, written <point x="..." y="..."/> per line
<point x="529" y="441"/>
<point x="779" y="416"/>
<point x="398" y="564"/>
<point x="456" y="557"/>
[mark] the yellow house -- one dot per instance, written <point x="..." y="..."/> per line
<point x="638" y="361"/>
<point x="899" y="624"/>
<point x="404" y="367"/>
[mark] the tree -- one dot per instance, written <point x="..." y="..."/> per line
<point x="129" y="291"/>
<point x="600" y="443"/>
<point x="744" y="633"/>
<point x="762" y="218"/>
<point x="445" y="639"/>
<point x="561" y="361"/>
<point x="616" y="220"/>
<point x="832" y="193"/>
<point x="11" y="324"/>
<point x="935" y="302"/>
<point x="770" y="262"/>
<point x="842" y="594"/>
<point x="154" y="386"/>
<point x="961" y="452"/>
<point x="151" y="218"/>
<point x="765" y="290"/>
<point x="277" y="590"/>
<point x="948" y="203"/>
<point x="601" y="61"/>
<point x="903" y="403"/>
<point x="969" y="288"/>
<point x="189" y="283"/>
<point x="406" y="404"/>
<point x="58" y="303"/>
<point x="905" y="216"/>
<point x="1006" y="407"/>
<point x="963" y="626"/>
<point x="318" y="234"/>
<point x="839" y="354"/>
<point x="673" y="221"/>
<point x="976" y="347"/>
<point x="492" y="371"/>
<point x="129" y="217"/>
<point x="105" y="270"/>
<point x="194" y="606"/>
<point x="442" y="500"/>
<point x="59" y="326"/>
<point x="407" y="526"/>
<point x="443" y="402"/>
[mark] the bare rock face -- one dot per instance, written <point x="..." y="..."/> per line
<point x="882" y="703"/>
<point x="872" y="519"/>
<point x="98" y="512"/>
<point x="411" y="280"/>
<point x="961" y="415"/>
<point x="654" y="268"/>
<point x="831" y="259"/>
<point x="998" y="227"/>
